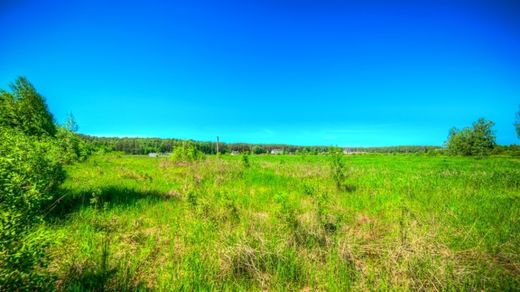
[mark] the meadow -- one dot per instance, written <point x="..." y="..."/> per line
<point x="280" y="222"/>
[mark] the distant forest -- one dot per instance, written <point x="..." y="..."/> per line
<point x="141" y="146"/>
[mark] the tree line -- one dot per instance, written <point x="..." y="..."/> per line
<point x="143" y="146"/>
<point x="479" y="140"/>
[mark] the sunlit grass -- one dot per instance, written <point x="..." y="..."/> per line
<point x="410" y="222"/>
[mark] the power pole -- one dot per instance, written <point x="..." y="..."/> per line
<point x="217" y="145"/>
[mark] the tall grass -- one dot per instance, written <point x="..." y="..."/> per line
<point x="282" y="223"/>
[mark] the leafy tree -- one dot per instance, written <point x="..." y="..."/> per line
<point x="25" y="109"/>
<point x="476" y="140"/>
<point x="70" y="124"/>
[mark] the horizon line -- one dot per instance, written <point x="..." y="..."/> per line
<point x="254" y="143"/>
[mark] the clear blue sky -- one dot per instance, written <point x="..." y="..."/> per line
<point x="297" y="72"/>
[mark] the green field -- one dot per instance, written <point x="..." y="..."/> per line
<point x="404" y="222"/>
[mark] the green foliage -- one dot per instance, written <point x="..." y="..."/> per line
<point x="25" y="109"/>
<point x="73" y="147"/>
<point x="32" y="151"/>
<point x="258" y="149"/>
<point x="8" y="110"/>
<point x="478" y="140"/>
<point x="70" y="124"/>
<point x="245" y="160"/>
<point x="30" y="171"/>
<point x="143" y="146"/>
<point x="186" y="152"/>
<point x="29" y="176"/>
<point x="338" y="168"/>
<point x="509" y="150"/>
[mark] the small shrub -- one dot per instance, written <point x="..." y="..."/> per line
<point x="308" y="189"/>
<point x="186" y="152"/>
<point x="245" y="160"/>
<point x="338" y="169"/>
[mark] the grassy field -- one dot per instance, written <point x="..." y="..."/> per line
<point x="405" y="222"/>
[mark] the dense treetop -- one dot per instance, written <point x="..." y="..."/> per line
<point x="23" y="108"/>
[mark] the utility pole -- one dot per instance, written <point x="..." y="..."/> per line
<point x="217" y="145"/>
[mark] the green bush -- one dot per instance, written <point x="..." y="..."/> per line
<point x="338" y="168"/>
<point x="245" y="160"/>
<point x="73" y="148"/>
<point x="186" y="152"/>
<point x="32" y="151"/>
<point x="476" y="140"/>
<point x="30" y="173"/>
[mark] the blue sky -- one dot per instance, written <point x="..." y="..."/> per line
<point x="296" y="72"/>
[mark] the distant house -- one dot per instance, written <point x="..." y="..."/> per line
<point x="153" y="154"/>
<point x="234" y="152"/>
<point x="277" y="151"/>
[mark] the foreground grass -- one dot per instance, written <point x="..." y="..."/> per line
<point x="407" y="222"/>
